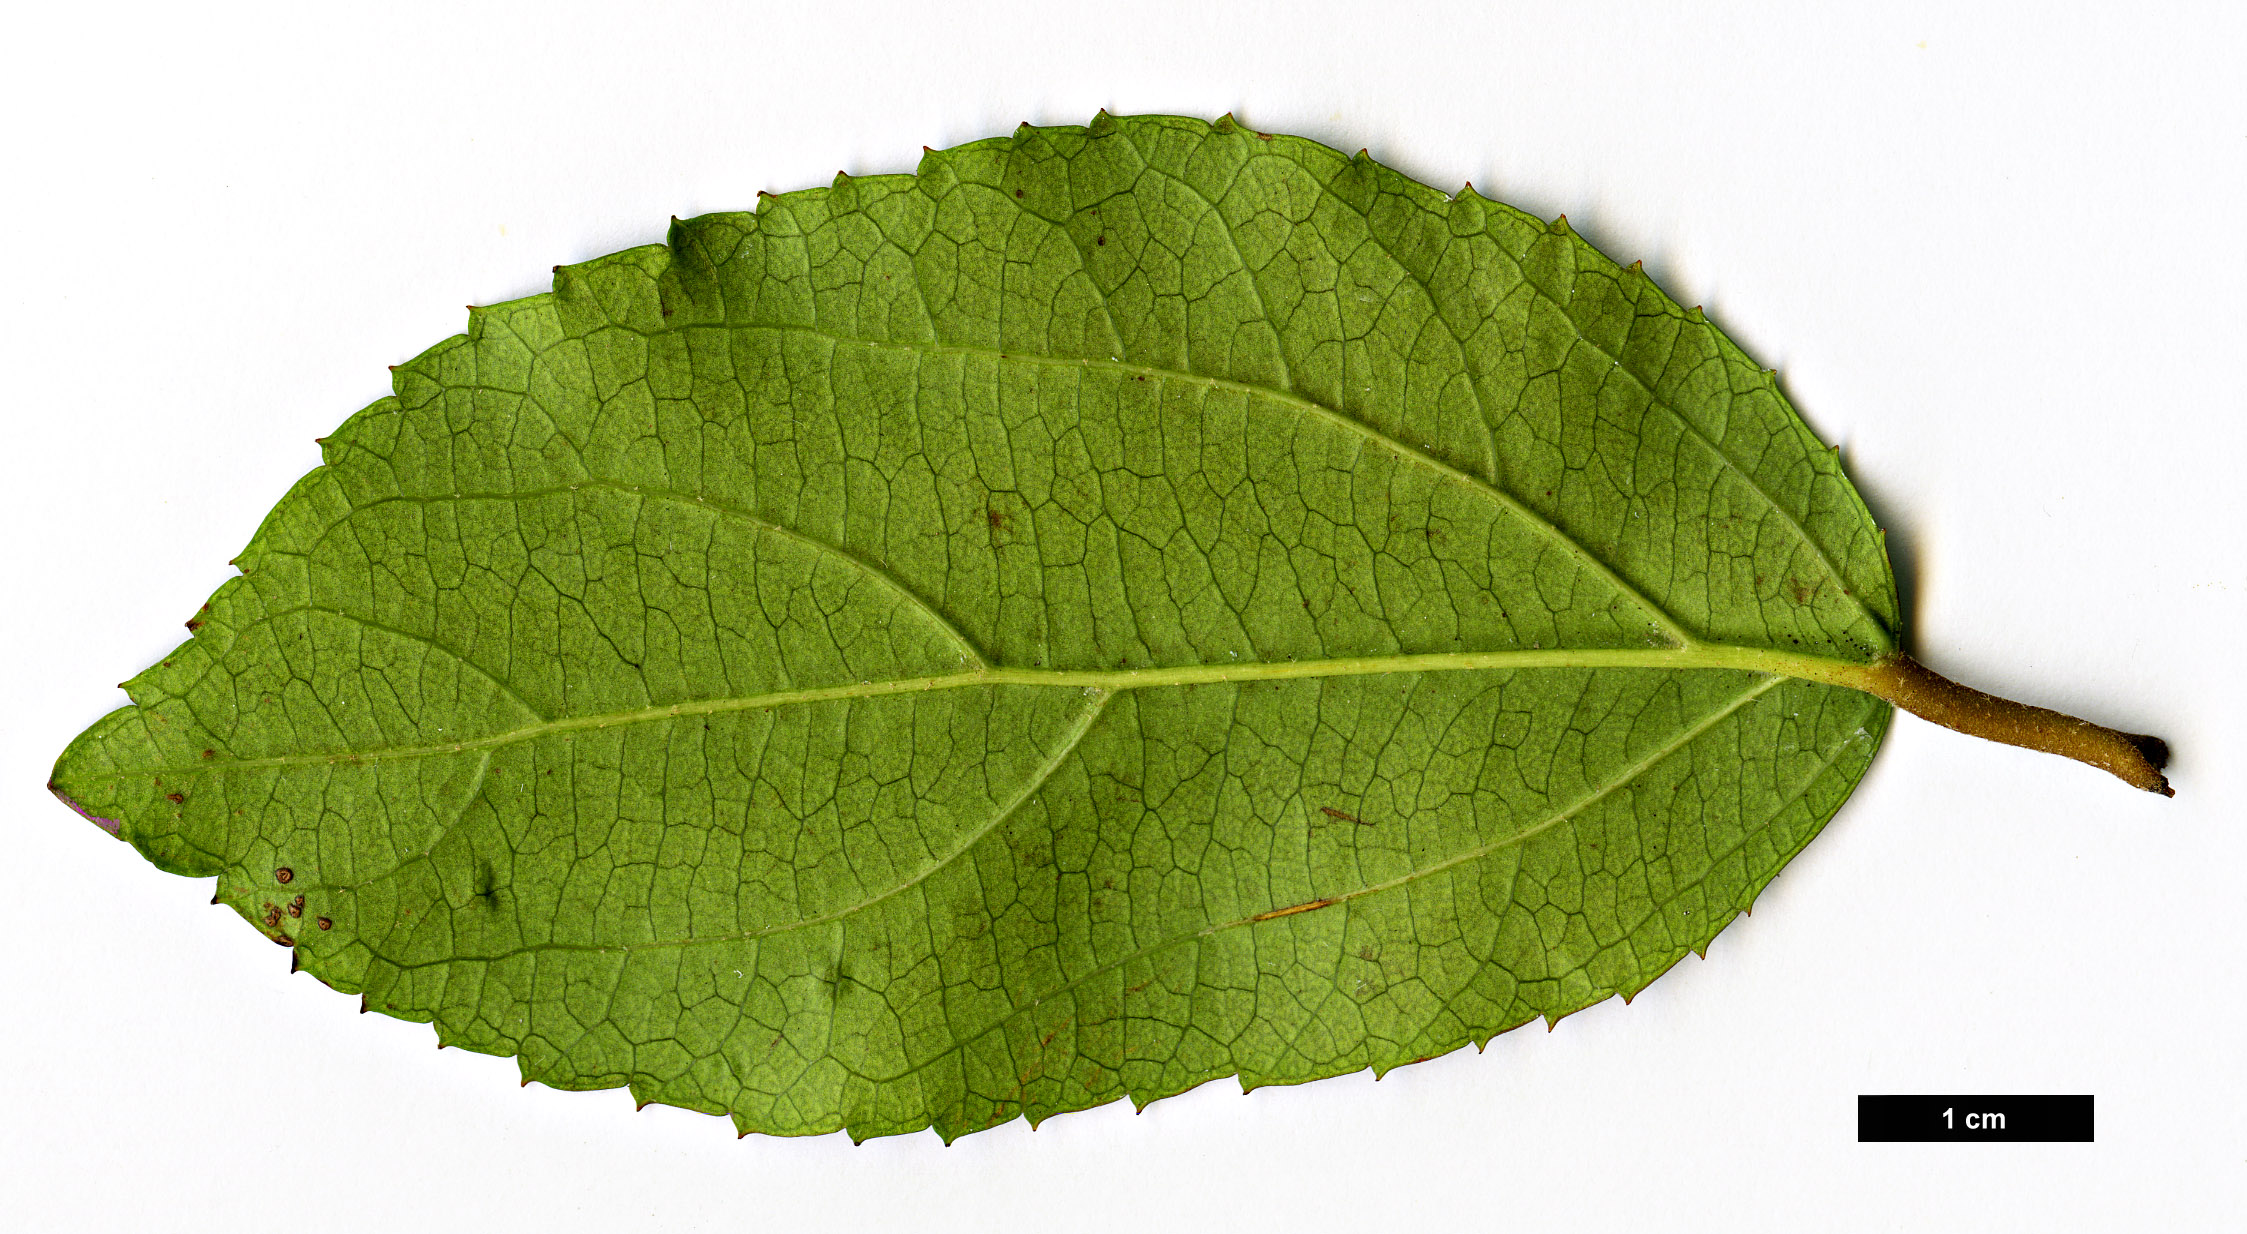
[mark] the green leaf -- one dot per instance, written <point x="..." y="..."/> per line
<point x="1122" y="606"/>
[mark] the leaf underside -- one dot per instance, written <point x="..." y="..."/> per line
<point x="983" y="643"/>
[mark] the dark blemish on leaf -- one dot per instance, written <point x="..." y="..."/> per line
<point x="1018" y="192"/>
<point x="323" y="923"/>
<point x="283" y="875"/>
<point x="1331" y="812"/>
<point x="296" y="907"/>
<point x="284" y="940"/>
<point x="176" y="798"/>
<point x="208" y="754"/>
<point x="1100" y="240"/>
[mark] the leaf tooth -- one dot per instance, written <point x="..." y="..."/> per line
<point x="1226" y="124"/>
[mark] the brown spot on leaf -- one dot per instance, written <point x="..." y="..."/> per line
<point x="323" y="923"/>
<point x="283" y="875"/>
<point x="209" y="754"/>
<point x="1292" y="910"/>
<point x="175" y="798"/>
<point x="1331" y="812"/>
<point x="1018" y="192"/>
<point x="296" y="907"/>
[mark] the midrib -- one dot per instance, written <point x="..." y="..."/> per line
<point x="1700" y="656"/>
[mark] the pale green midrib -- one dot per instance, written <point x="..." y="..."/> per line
<point x="1698" y="656"/>
<point x="1069" y="743"/>
<point x="1660" y="617"/>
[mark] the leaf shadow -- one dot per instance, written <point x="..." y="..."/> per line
<point x="1891" y="516"/>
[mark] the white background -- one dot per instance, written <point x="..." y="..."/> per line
<point x="1997" y="256"/>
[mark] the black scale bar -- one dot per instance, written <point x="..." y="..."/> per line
<point x="1919" y="1119"/>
